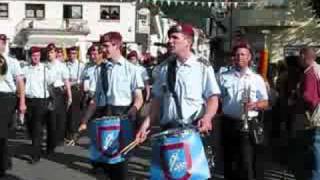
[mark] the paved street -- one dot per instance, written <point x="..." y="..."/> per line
<point x="72" y="163"/>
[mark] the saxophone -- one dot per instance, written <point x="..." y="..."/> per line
<point x="245" y="99"/>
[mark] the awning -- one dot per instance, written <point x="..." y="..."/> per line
<point x="44" y="41"/>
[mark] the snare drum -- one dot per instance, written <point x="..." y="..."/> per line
<point x="178" y="155"/>
<point x="108" y="136"/>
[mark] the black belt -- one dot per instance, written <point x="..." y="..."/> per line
<point x="7" y="94"/>
<point x="59" y="89"/>
<point x="37" y="99"/>
<point x="176" y="125"/>
<point x="110" y="110"/>
<point x="75" y="87"/>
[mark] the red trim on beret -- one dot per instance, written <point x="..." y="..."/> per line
<point x="35" y="49"/>
<point x="132" y="54"/>
<point x="186" y="29"/>
<point x="111" y="37"/>
<point x="3" y="37"/>
<point x="51" y="46"/>
<point x="73" y="48"/>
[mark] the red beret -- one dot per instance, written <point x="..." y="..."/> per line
<point x="242" y="44"/>
<point x="51" y="46"/>
<point x="3" y="37"/>
<point x="59" y="50"/>
<point x="111" y="36"/>
<point x="73" y="48"/>
<point x="186" y="29"/>
<point x="35" y="49"/>
<point x="132" y="54"/>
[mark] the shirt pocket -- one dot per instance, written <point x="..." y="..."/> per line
<point x="193" y="90"/>
<point x="124" y="84"/>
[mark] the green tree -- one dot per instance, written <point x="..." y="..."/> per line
<point x="316" y="7"/>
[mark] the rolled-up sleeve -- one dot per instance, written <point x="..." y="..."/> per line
<point x="210" y="84"/>
<point x="137" y="80"/>
<point x="65" y="72"/>
<point x="17" y="70"/>
<point x="310" y="90"/>
<point x="262" y="93"/>
<point x="156" y="91"/>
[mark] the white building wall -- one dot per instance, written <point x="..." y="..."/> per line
<point x="90" y="12"/>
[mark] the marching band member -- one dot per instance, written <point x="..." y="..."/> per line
<point x="61" y="86"/>
<point x="75" y="68"/>
<point x="89" y="79"/>
<point x="37" y="94"/>
<point x="236" y="84"/>
<point x="184" y="94"/>
<point x="60" y="55"/>
<point x="118" y="93"/>
<point x="11" y="83"/>
<point x="133" y="58"/>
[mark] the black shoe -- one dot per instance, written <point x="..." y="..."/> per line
<point x="9" y="165"/>
<point x="34" y="160"/>
<point x="2" y="174"/>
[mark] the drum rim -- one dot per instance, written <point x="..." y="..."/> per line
<point x="121" y="117"/>
<point x="171" y="133"/>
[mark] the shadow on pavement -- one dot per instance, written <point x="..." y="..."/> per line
<point x="10" y="177"/>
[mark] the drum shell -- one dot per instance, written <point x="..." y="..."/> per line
<point x="100" y="130"/>
<point x="197" y="165"/>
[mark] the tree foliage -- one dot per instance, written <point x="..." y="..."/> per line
<point x="316" y="7"/>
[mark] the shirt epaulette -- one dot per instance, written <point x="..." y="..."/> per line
<point x="203" y="61"/>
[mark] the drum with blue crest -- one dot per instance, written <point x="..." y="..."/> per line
<point x="178" y="154"/>
<point x="108" y="135"/>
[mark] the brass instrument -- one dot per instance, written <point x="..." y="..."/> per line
<point x="245" y="99"/>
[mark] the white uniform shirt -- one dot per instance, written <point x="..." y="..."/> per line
<point x="59" y="72"/>
<point x="75" y="69"/>
<point x="89" y="77"/>
<point x="123" y="79"/>
<point x="8" y="83"/>
<point x="144" y="73"/>
<point x="36" y="84"/>
<point x="233" y="85"/>
<point x="195" y="83"/>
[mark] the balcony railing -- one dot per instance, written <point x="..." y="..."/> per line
<point x="264" y="17"/>
<point x="68" y="25"/>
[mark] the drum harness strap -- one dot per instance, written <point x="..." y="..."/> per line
<point x="104" y="78"/>
<point x="171" y="81"/>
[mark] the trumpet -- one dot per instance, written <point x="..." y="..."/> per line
<point x="245" y="99"/>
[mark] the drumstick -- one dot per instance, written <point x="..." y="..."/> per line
<point x="133" y="143"/>
<point x="130" y="148"/>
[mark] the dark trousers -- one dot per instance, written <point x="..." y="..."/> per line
<point x="37" y="115"/>
<point x="239" y="151"/>
<point x="7" y="108"/>
<point x="117" y="171"/>
<point x="73" y="114"/>
<point x="59" y="114"/>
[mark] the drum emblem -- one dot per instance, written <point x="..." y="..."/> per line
<point x="176" y="161"/>
<point x="108" y="140"/>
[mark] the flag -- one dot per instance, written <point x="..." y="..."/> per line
<point x="263" y="63"/>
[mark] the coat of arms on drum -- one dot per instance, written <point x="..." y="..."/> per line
<point x="176" y="161"/>
<point x="108" y="140"/>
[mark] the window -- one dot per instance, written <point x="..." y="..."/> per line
<point x="35" y="11"/>
<point x="4" y="11"/>
<point x="110" y="12"/>
<point x="72" y="12"/>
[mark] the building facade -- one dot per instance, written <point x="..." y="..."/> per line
<point x="66" y="23"/>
